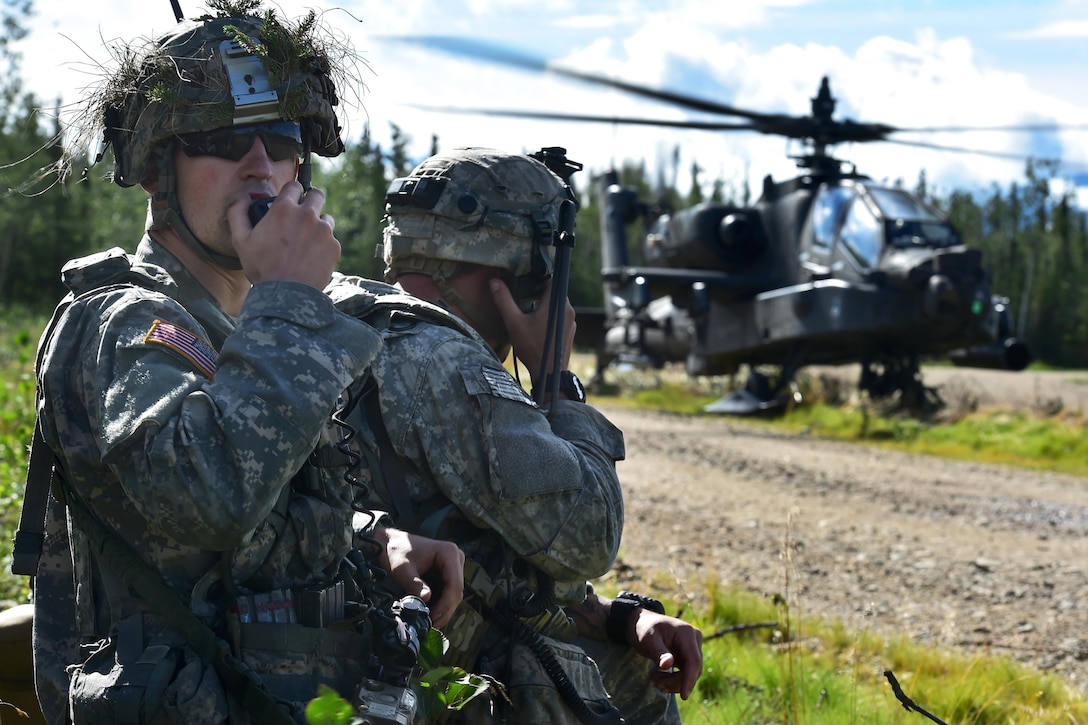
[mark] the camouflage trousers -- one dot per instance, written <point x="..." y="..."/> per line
<point x="626" y="675"/>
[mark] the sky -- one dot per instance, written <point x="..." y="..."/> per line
<point x="919" y="64"/>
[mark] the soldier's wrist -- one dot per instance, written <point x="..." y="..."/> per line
<point x="621" y="611"/>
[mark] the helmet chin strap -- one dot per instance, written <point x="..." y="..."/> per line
<point x="470" y="312"/>
<point x="453" y="297"/>
<point x="174" y="221"/>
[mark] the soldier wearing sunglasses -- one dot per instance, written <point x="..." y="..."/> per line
<point x="206" y="564"/>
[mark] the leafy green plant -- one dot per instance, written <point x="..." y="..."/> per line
<point x="328" y="708"/>
<point x="438" y="688"/>
<point x="441" y="687"/>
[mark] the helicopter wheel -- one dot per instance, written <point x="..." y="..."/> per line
<point x="902" y="376"/>
<point x="920" y="397"/>
<point x="759" y="385"/>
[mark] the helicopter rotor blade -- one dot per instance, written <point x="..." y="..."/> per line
<point x="483" y="51"/>
<point x="615" y="120"/>
<point x="975" y="152"/>
<point x="1023" y="128"/>
<point x="825" y="131"/>
<point x="819" y="128"/>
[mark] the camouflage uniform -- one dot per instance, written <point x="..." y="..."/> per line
<point x="188" y="452"/>
<point x="534" y="501"/>
<point x="188" y="434"/>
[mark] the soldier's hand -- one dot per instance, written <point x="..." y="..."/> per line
<point x="527" y="330"/>
<point x="407" y="557"/>
<point x="294" y="242"/>
<point x="676" y="647"/>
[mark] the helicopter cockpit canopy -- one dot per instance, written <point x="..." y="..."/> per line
<point x="909" y="222"/>
<point x="866" y="218"/>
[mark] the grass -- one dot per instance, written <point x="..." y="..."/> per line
<point x="817" y="672"/>
<point x="1036" y="439"/>
<point x="814" y="671"/>
<point x="797" y="670"/>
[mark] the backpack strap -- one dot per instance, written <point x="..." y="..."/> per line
<point x="378" y="304"/>
<point x="30" y="537"/>
<point x="389" y="463"/>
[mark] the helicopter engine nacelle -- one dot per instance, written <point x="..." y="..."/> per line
<point x="707" y="236"/>
<point x="665" y="333"/>
<point x="1004" y="351"/>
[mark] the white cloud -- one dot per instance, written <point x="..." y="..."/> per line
<point x="1057" y="29"/>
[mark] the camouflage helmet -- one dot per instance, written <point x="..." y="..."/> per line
<point x="476" y="206"/>
<point x="215" y="72"/>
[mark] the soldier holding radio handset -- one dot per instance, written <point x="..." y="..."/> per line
<point x="202" y="559"/>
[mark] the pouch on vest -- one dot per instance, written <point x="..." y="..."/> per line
<point x="103" y="689"/>
<point x="293" y="660"/>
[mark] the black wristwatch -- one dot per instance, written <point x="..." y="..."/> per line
<point x="569" y="385"/>
<point x="620" y="611"/>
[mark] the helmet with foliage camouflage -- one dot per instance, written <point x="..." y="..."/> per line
<point x="235" y="67"/>
<point x="214" y="72"/>
<point x="475" y="206"/>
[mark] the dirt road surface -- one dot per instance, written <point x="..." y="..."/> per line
<point x="982" y="558"/>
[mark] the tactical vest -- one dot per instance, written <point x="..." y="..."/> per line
<point x="125" y="674"/>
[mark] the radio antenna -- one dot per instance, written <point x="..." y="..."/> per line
<point x="555" y="158"/>
<point x="177" y="10"/>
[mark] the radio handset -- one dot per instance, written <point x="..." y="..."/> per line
<point x="259" y="208"/>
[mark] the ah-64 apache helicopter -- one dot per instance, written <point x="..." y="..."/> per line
<point x="828" y="268"/>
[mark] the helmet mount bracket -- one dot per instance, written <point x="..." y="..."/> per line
<point x="255" y="99"/>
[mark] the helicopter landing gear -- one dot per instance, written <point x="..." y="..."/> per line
<point x="761" y="393"/>
<point x="755" y="397"/>
<point x="888" y="375"/>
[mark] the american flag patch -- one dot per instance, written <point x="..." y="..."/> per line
<point x="503" y="385"/>
<point x="185" y="343"/>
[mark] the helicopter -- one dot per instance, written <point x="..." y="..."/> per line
<point x="827" y="268"/>
<point x="824" y="269"/>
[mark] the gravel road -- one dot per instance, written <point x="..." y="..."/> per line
<point x="956" y="554"/>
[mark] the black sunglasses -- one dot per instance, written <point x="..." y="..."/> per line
<point x="282" y="140"/>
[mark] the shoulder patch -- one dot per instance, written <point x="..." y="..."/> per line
<point x="503" y="385"/>
<point x="185" y="343"/>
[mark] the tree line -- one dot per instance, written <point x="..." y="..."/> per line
<point x="1034" y="240"/>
